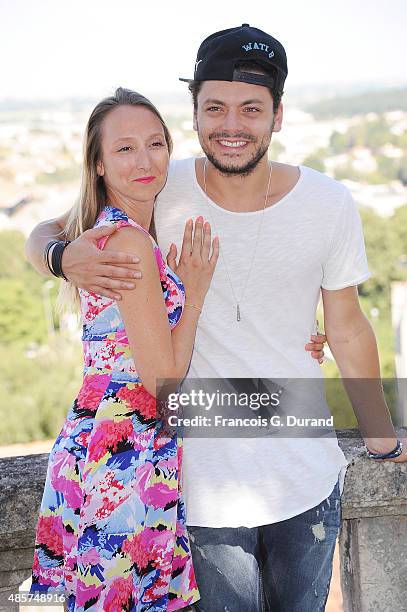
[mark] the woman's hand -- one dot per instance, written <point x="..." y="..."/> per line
<point x="196" y="263"/>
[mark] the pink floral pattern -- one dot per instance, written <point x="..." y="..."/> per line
<point x="111" y="532"/>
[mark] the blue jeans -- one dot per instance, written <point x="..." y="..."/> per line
<point x="282" y="567"/>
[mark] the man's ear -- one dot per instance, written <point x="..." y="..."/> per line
<point x="278" y="118"/>
<point x="100" y="169"/>
<point x="195" y="122"/>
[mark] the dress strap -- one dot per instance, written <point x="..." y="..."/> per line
<point x="110" y="215"/>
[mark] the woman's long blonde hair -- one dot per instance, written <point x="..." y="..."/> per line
<point x="92" y="196"/>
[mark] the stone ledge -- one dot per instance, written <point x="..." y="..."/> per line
<point x="373" y="491"/>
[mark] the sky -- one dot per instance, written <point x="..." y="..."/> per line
<point x="86" y="48"/>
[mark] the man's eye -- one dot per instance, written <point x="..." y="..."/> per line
<point x="252" y="109"/>
<point x="213" y="108"/>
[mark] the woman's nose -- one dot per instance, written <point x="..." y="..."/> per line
<point x="143" y="160"/>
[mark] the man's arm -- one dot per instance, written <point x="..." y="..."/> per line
<point x="353" y="344"/>
<point x="104" y="272"/>
<point x="44" y="232"/>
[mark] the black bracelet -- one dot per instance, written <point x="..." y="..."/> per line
<point x="56" y="258"/>
<point x="46" y="254"/>
<point x="396" y="452"/>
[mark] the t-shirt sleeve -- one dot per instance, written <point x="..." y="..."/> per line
<point x="346" y="262"/>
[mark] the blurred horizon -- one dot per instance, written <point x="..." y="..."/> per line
<point x="296" y="95"/>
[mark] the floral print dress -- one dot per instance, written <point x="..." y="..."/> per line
<point x="111" y="532"/>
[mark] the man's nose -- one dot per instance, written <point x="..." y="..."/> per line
<point x="232" y="121"/>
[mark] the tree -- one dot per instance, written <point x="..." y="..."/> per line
<point x="39" y="375"/>
<point x="315" y="161"/>
<point x="402" y="171"/>
<point x="398" y="236"/>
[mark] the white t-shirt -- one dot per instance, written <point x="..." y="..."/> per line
<point x="311" y="238"/>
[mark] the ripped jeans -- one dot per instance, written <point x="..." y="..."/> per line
<point x="282" y="567"/>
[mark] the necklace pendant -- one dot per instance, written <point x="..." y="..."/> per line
<point x="237" y="312"/>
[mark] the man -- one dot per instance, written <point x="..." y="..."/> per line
<point x="263" y="513"/>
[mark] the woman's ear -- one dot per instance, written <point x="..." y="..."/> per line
<point x="100" y="169"/>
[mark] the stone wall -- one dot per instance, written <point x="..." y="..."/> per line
<point x="373" y="539"/>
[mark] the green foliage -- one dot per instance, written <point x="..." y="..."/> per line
<point x="398" y="233"/>
<point x="22" y="315"/>
<point x="36" y="389"/>
<point x="339" y="142"/>
<point x="385" y="241"/>
<point x="346" y="171"/>
<point x="12" y="260"/>
<point x="372" y="134"/>
<point x="402" y="169"/>
<point x="315" y="161"/>
<point x="388" y="170"/>
<point x="387" y="167"/>
<point x="276" y="148"/>
<point x="39" y="375"/>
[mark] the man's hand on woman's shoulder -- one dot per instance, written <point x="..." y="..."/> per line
<point x="105" y="272"/>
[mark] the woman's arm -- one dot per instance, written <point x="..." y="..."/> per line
<point x="160" y="355"/>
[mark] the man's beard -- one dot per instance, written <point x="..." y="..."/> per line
<point x="233" y="170"/>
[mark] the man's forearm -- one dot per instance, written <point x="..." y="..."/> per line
<point x="39" y="238"/>
<point x="355" y="349"/>
<point x="357" y="357"/>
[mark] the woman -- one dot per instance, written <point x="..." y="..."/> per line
<point x="111" y="531"/>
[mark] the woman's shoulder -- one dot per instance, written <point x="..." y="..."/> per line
<point x="110" y="215"/>
<point x="140" y="242"/>
<point x="130" y="237"/>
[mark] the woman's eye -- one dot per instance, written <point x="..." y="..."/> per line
<point x="126" y="148"/>
<point x="158" y="143"/>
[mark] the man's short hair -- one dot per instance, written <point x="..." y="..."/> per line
<point x="247" y="66"/>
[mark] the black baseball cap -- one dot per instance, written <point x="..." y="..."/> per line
<point x="221" y="52"/>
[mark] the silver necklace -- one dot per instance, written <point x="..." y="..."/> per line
<point x="238" y="301"/>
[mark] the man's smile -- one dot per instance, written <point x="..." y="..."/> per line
<point x="236" y="144"/>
